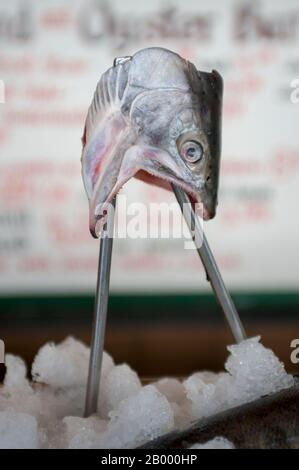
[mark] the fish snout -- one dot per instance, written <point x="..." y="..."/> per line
<point x="209" y="202"/>
<point x="209" y="213"/>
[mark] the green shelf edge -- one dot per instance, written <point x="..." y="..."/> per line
<point x="145" y="302"/>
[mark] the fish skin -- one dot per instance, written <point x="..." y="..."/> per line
<point x="145" y="108"/>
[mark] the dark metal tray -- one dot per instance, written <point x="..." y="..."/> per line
<point x="271" y="422"/>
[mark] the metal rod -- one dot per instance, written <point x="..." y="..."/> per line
<point x="99" y="319"/>
<point x="210" y="265"/>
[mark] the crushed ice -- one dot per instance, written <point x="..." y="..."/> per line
<point x="216" y="443"/>
<point x="47" y="412"/>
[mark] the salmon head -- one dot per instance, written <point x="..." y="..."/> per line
<point x="156" y="117"/>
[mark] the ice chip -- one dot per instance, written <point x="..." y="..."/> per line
<point x="138" y="419"/>
<point x="252" y="372"/>
<point x="120" y="383"/>
<point x="172" y="389"/>
<point x="61" y="365"/>
<point x="83" y="433"/>
<point x="65" y="364"/>
<point x="16" y="375"/>
<point x="175" y="393"/>
<point x="207" y="393"/>
<point x="107" y="364"/>
<point x="85" y="439"/>
<point x="216" y="443"/>
<point x="256" y="371"/>
<point x="18" y="431"/>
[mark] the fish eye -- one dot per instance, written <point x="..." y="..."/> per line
<point x="191" y="151"/>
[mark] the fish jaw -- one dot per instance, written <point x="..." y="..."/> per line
<point x="156" y="166"/>
<point x="150" y="164"/>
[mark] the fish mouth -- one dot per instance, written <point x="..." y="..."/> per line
<point x="196" y="198"/>
<point x="163" y="177"/>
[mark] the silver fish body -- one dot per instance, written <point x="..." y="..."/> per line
<point x="156" y="117"/>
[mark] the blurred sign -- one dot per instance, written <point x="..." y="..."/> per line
<point x="52" y="54"/>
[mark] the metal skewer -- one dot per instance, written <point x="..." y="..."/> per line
<point x="102" y="293"/>
<point x="99" y="319"/>
<point x="210" y="265"/>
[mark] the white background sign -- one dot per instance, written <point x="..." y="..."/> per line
<point x="52" y="54"/>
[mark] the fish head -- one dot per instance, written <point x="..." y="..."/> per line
<point x="167" y="130"/>
<point x="180" y="136"/>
